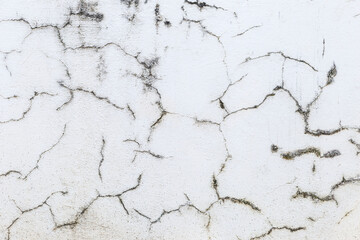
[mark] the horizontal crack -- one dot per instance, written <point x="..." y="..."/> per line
<point x="290" y="229"/>
<point x="79" y="215"/>
<point x="308" y="150"/>
<point x="105" y="99"/>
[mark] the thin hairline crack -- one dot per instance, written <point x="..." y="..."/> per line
<point x="28" y="109"/>
<point x="72" y="224"/>
<point x="24" y="211"/>
<point x="92" y="93"/>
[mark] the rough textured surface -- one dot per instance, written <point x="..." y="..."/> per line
<point x="181" y="119"/>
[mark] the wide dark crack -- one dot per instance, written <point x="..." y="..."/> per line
<point x="313" y="196"/>
<point x="310" y="150"/>
<point x="202" y="5"/>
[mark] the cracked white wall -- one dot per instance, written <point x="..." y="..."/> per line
<point x="183" y="119"/>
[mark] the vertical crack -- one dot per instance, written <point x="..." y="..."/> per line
<point x="102" y="159"/>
